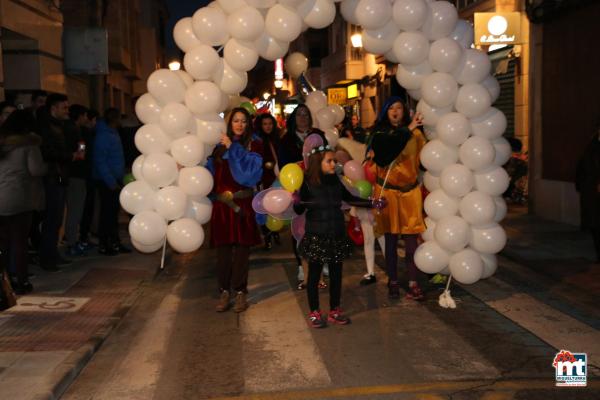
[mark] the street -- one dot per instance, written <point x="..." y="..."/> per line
<point x="498" y="343"/>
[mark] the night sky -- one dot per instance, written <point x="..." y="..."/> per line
<point x="179" y="9"/>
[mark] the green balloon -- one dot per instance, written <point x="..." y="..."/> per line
<point x="248" y="106"/>
<point x="128" y="179"/>
<point x="365" y="189"/>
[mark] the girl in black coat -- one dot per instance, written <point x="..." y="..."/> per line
<point x="325" y="240"/>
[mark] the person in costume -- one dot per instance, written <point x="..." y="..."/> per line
<point x="395" y="145"/>
<point x="265" y="126"/>
<point x="325" y="240"/>
<point x="236" y="165"/>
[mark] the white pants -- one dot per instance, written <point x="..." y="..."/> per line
<point x="366" y="224"/>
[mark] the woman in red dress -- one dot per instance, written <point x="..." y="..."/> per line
<point x="236" y="165"/>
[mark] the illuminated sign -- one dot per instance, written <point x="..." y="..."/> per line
<point x="353" y="91"/>
<point x="497" y="28"/>
<point x="337" y="95"/>
<point x="279" y="69"/>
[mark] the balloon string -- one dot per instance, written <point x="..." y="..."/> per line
<point x="220" y="48"/>
<point x="387" y="175"/>
<point x="448" y="283"/>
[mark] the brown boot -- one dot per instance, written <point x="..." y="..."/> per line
<point x="240" y="302"/>
<point x="223" y="304"/>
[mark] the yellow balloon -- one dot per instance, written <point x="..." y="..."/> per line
<point x="274" y="224"/>
<point x="291" y="177"/>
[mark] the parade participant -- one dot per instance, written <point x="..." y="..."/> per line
<point x="395" y="145"/>
<point x="265" y="126"/>
<point x="325" y="239"/>
<point x="236" y="165"/>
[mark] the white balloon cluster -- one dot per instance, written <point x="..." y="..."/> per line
<point x="436" y="65"/>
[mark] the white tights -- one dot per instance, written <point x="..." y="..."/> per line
<point x="366" y="224"/>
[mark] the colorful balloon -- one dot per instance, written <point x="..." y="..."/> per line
<point x="291" y="177"/>
<point x="365" y="189"/>
<point x="274" y="224"/>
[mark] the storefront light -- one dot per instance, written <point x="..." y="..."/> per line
<point x="266" y="95"/>
<point x="174" y="65"/>
<point x="356" y="40"/>
<point x="278" y="84"/>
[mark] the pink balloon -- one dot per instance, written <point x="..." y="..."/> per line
<point x="342" y="157"/>
<point x="257" y="201"/>
<point x="298" y="225"/>
<point x="277" y="201"/>
<point x="354" y="171"/>
<point x="287" y="214"/>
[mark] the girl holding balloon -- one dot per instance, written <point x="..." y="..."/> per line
<point x="396" y="143"/>
<point x="325" y="240"/>
<point x="236" y="165"/>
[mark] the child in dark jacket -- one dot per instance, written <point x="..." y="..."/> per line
<point x="325" y="240"/>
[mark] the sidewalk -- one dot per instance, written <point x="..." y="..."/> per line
<point x="47" y="339"/>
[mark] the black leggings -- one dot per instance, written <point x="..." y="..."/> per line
<point x="335" y="284"/>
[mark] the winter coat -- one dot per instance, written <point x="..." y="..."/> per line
<point x="55" y="150"/>
<point x="21" y="165"/>
<point x="108" y="161"/>
<point x="587" y="184"/>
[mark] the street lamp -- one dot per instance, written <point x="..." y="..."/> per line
<point x="356" y="40"/>
<point x="174" y="65"/>
<point x="278" y="83"/>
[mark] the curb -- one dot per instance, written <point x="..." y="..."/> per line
<point x="65" y="374"/>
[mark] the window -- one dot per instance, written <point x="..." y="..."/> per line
<point x="462" y="4"/>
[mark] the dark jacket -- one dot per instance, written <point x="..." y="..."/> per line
<point x="323" y="205"/>
<point x="55" y="150"/>
<point x="290" y="148"/>
<point x="108" y="161"/>
<point x="586" y="183"/>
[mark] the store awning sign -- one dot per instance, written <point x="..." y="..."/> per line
<point x="497" y="28"/>
<point x="337" y="95"/>
<point x="353" y="91"/>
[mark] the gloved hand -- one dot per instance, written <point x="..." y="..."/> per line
<point x="380" y="203"/>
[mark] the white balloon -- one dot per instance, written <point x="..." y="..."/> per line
<point x="474" y="67"/>
<point x="503" y="151"/>
<point x="473" y="100"/>
<point x="201" y="62"/>
<point x="493" y="86"/>
<point x="242" y="56"/>
<point x="147" y="228"/>
<point x="466" y="266"/>
<point x="147" y="109"/>
<point x="431" y="115"/>
<point x="175" y="119"/>
<point x="210" y="26"/>
<point x="159" y="170"/>
<point x="415" y="94"/>
<point x="151" y="139"/>
<point x="136" y="197"/>
<point x="493" y="181"/>
<point x="445" y="55"/>
<point x="246" y="23"/>
<point x="430" y="132"/>
<point x="195" y="181"/>
<point x="488" y="239"/>
<point x="440" y="21"/>
<point x="185" y="77"/>
<point x="261" y="3"/>
<point x="136" y="168"/>
<point x="490" y="265"/>
<point x="348" y="10"/>
<point x="431" y="181"/>
<point x="230" y="6"/>
<point x="439" y="89"/>
<point x="373" y="14"/>
<point x="490" y="125"/>
<point x="477" y="208"/>
<point x="203" y="97"/>
<point x="428" y="234"/>
<point x="283" y="23"/>
<point x="199" y="208"/>
<point x="326" y="118"/>
<point x="463" y="33"/>
<point x="229" y="79"/>
<point x="410" y="15"/>
<point x="332" y="135"/>
<point x="147" y="248"/>
<point x="435" y="156"/>
<point x="453" y="129"/>
<point x="316" y="100"/>
<point x="338" y="112"/>
<point x="290" y="3"/>
<point x="411" y="77"/>
<point x="501" y="209"/>
<point x="166" y="87"/>
<point x="209" y="128"/>
<point x="380" y="41"/>
<point x="170" y="202"/>
<point x="296" y="64"/>
<point x="439" y="205"/>
<point x="269" y="48"/>
<point x="184" y="36"/>
<point x="477" y="153"/>
<point x="411" y="48"/>
<point x="188" y="150"/>
<point x="185" y="235"/>
<point x="457" y="180"/>
<point x="452" y="233"/>
<point x="317" y="13"/>
<point x="431" y="258"/>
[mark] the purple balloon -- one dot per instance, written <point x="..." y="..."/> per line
<point x="298" y="225"/>
<point x="257" y="201"/>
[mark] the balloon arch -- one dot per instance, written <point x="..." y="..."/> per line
<point x="437" y="66"/>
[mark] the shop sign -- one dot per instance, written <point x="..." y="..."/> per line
<point x="337" y="96"/>
<point x="353" y="91"/>
<point x="497" y="28"/>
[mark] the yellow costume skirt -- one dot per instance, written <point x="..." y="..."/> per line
<point x="403" y="214"/>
